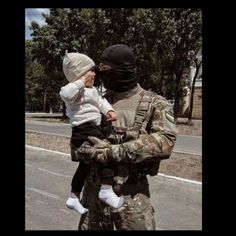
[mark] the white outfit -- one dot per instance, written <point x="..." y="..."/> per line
<point x="83" y="104"/>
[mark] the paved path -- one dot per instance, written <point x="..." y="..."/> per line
<point x="184" y="143"/>
<point x="177" y="204"/>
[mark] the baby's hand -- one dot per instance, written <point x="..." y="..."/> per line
<point x="84" y="78"/>
<point x="111" y="116"/>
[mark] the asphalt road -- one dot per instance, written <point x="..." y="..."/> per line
<point x="177" y="203"/>
<point x="184" y="143"/>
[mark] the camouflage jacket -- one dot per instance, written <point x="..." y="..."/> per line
<point x="157" y="135"/>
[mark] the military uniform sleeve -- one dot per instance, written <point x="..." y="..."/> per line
<point x="159" y="143"/>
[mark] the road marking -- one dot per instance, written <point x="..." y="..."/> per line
<point x="160" y="174"/>
<point x="54" y="173"/>
<point x="47" y="150"/>
<point x="44" y="193"/>
<point x="48" y="171"/>
<point x="191" y="136"/>
<point x="65" y="211"/>
<point x="178" y="178"/>
<point x="190" y="153"/>
<point x="41" y="202"/>
<point x="29" y="165"/>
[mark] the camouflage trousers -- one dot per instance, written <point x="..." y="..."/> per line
<point x="135" y="214"/>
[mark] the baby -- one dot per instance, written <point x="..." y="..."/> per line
<point x="84" y="106"/>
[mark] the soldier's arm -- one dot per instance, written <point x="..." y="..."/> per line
<point x="159" y="143"/>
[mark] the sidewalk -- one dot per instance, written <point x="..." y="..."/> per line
<point x="185" y="129"/>
<point x="42" y="114"/>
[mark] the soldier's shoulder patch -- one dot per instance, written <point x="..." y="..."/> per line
<point x="170" y="116"/>
<point x="160" y="102"/>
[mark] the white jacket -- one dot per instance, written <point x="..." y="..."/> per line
<point x="83" y="104"/>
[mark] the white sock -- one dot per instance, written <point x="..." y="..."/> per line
<point x="74" y="204"/>
<point x="107" y="195"/>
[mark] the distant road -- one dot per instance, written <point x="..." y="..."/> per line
<point x="189" y="144"/>
<point x="184" y="143"/>
<point x="51" y="128"/>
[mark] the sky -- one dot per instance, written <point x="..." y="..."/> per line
<point x="33" y="14"/>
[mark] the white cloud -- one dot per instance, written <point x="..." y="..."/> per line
<point x="34" y="14"/>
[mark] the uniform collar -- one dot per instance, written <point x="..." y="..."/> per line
<point x="137" y="89"/>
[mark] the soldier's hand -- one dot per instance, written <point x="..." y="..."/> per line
<point x="100" y="151"/>
<point x="84" y="152"/>
<point x="104" y="151"/>
<point x="98" y="143"/>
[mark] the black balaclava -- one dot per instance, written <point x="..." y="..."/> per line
<point x="121" y="77"/>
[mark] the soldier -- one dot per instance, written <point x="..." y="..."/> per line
<point x="142" y="136"/>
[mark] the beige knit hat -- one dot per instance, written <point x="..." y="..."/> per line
<point x="75" y="65"/>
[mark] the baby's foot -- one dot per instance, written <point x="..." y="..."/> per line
<point x="74" y="204"/>
<point x="107" y="195"/>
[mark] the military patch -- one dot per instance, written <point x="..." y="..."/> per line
<point x="157" y="115"/>
<point x="170" y="116"/>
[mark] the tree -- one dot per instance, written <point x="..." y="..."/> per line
<point x="66" y="29"/>
<point x="197" y="63"/>
<point x="47" y="46"/>
<point x="188" y="24"/>
<point x="161" y="39"/>
<point x="34" y="74"/>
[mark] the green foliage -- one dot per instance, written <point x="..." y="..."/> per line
<point x="34" y="73"/>
<point x="165" y="41"/>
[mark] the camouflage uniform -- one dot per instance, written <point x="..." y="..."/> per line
<point x="155" y="142"/>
